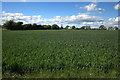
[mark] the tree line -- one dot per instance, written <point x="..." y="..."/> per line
<point x="11" y="25"/>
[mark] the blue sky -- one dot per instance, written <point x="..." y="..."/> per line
<point x="49" y="10"/>
<point x="59" y="0"/>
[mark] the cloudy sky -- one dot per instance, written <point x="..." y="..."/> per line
<point x="66" y="13"/>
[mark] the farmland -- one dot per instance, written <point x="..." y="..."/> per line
<point x="60" y="53"/>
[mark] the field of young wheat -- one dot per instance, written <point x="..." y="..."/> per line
<point x="60" y="53"/>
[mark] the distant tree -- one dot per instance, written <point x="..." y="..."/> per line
<point x="110" y="28"/>
<point x="27" y="26"/>
<point x="83" y="27"/>
<point x="67" y="27"/>
<point x="54" y="26"/>
<point x="34" y="26"/>
<point x="116" y="28"/>
<point x="19" y="25"/>
<point x="47" y="26"/>
<point x="77" y="28"/>
<point x="102" y="27"/>
<point x="61" y="27"/>
<point x="73" y="27"/>
<point x="40" y="26"/>
<point x="9" y="25"/>
<point x="87" y="27"/>
<point x="0" y="26"/>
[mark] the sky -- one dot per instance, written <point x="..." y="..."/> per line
<point x="59" y="0"/>
<point x="66" y="13"/>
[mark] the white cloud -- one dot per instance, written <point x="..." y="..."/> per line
<point x="93" y="24"/>
<point x="92" y="7"/>
<point x="113" y="21"/>
<point x="15" y="17"/>
<point x="99" y="9"/>
<point x="79" y="19"/>
<point x="88" y="23"/>
<point x="84" y="13"/>
<point x="117" y="7"/>
<point x="74" y="19"/>
<point x="58" y="17"/>
<point x="11" y="14"/>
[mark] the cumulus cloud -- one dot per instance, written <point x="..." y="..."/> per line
<point x="79" y="19"/>
<point x="92" y="7"/>
<point x="113" y="21"/>
<point x="99" y="9"/>
<point x="74" y="19"/>
<point x="11" y="14"/>
<point x="117" y="7"/>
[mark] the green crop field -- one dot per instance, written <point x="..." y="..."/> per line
<point x="60" y="54"/>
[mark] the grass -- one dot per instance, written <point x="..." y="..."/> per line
<point x="60" y="54"/>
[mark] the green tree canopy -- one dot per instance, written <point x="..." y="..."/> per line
<point x="55" y="26"/>
<point x="9" y="25"/>
<point x="102" y="27"/>
<point x="73" y="27"/>
<point x="116" y="28"/>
